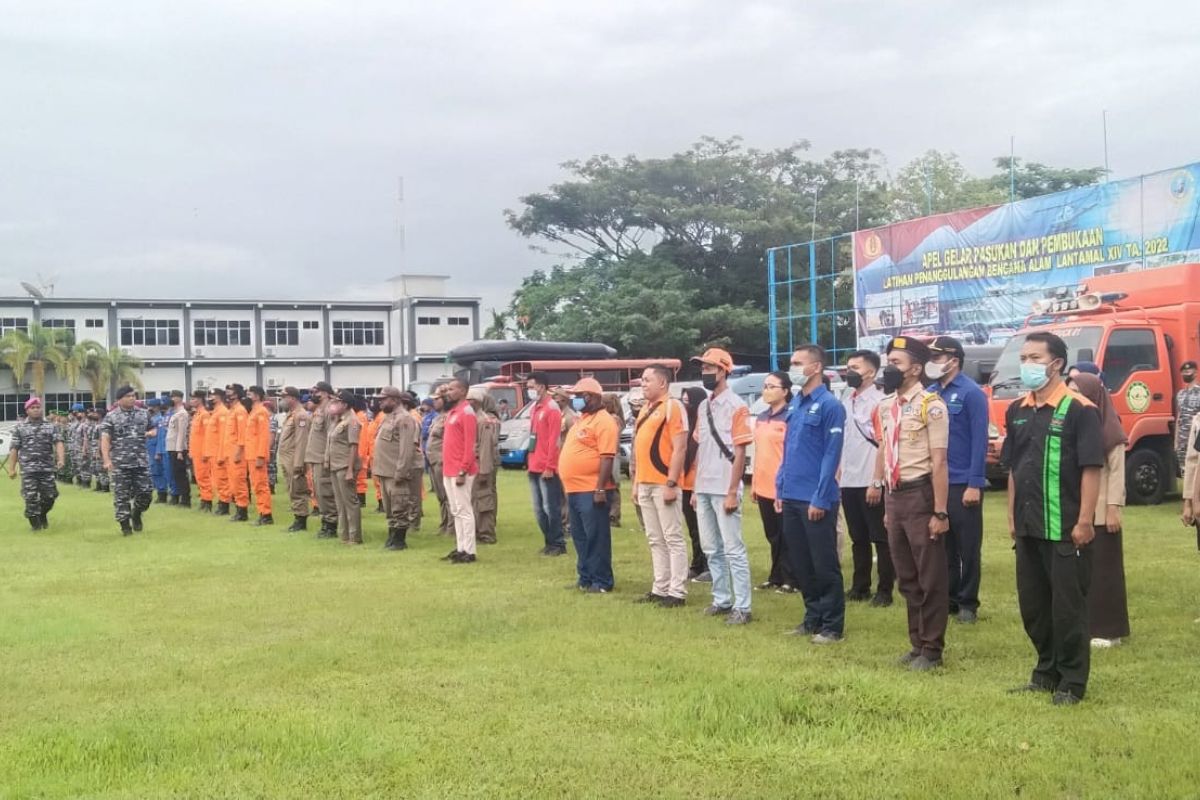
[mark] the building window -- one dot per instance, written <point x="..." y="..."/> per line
<point x="429" y="321"/>
<point x="362" y="391"/>
<point x="65" y="325"/>
<point x="149" y="332"/>
<point x="347" y="332"/>
<point x="221" y="332"/>
<point x="93" y="322"/>
<point x="312" y="324"/>
<point x="281" y="333"/>
<point x="14" y="324"/>
<point x="458" y="320"/>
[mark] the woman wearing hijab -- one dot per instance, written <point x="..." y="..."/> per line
<point x="1108" y="611"/>
<point x="692" y="397"/>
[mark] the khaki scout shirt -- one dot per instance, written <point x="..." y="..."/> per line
<point x="318" y="435"/>
<point x="923" y="426"/>
<point x="293" y="439"/>
<point x="342" y="449"/>
<point x="437" y="437"/>
<point x="394" y="444"/>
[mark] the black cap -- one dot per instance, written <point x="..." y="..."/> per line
<point x="948" y="345"/>
<point x="258" y="390"/>
<point x="199" y="393"/>
<point x="322" y="386"/>
<point x="346" y="396"/>
<point x="124" y="390"/>
<point x="914" y="347"/>
<point x="237" y="389"/>
<point x="1187" y="365"/>
<point x="289" y="391"/>
<point x="217" y="390"/>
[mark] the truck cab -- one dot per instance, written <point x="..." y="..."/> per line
<point x="1138" y="327"/>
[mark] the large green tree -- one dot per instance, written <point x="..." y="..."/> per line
<point x="34" y="352"/>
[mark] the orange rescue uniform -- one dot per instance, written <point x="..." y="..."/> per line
<point x="197" y="447"/>
<point x="214" y="450"/>
<point x="235" y="471"/>
<point x="258" y="451"/>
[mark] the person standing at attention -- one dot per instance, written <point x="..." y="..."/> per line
<point x="915" y="432"/>
<point x="545" y="422"/>
<point x="864" y="520"/>
<point x="459" y="468"/>
<point x="1055" y="454"/>
<point x="806" y="494"/>
<point x="966" y="459"/>
<point x="770" y="431"/>
<point x="659" y="446"/>
<point x="585" y="468"/>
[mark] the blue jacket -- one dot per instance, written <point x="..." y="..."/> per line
<point x="966" y="457"/>
<point x="812" y="450"/>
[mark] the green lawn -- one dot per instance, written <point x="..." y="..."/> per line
<point x="204" y="659"/>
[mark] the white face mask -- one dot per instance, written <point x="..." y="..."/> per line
<point x="799" y="375"/>
<point x="532" y="394"/>
<point x="934" y="371"/>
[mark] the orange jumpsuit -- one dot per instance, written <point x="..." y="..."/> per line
<point x="197" y="442"/>
<point x="258" y="449"/>
<point x="214" y="450"/>
<point x="235" y="471"/>
<point x="365" y="445"/>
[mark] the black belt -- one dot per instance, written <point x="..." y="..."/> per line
<point x="904" y="486"/>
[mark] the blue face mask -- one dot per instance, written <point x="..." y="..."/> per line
<point x="578" y="403"/>
<point x="1033" y="376"/>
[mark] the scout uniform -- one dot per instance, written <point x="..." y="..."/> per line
<point x="912" y="424"/>
<point x="392" y="463"/>
<point x="293" y="447"/>
<point x="342" y="459"/>
<point x="198" y="452"/>
<point x="322" y="485"/>
<point x="487" y="451"/>
<point x="34" y="444"/>
<point x="1048" y="449"/>
<point x="258" y="447"/>
<point x="131" y="486"/>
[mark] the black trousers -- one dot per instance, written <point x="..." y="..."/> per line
<point x="1052" y="589"/>
<point x="699" y="560"/>
<point x="772" y="520"/>
<point x="866" y="530"/>
<point x="183" y="483"/>
<point x="964" y="546"/>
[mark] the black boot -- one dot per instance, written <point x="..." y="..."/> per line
<point x="99" y="486"/>
<point x="126" y="530"/>
<point x="222" y="509"/>
<point x="379" y="507"/>
<point x="391" y="540"/>
<point x="173" y="500"/>
<point x="264" y="519"/>
<point x="86" y="484"/>
<point x="327" y="531"/>
<point x="401" y="539"/>
<point x="35" y="522"/>
<point x="162" y="497"/>
<point x="298" y="524"/>
<point x="239" y="514"/>
<point x="136" y="519"/>
<point x="185" y="503"/>
<point x="45" y="520"/>
<point x="362" y="500"/>
<point x="206" y="505"/>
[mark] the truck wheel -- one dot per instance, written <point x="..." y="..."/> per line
<point x="1145" y="478"/>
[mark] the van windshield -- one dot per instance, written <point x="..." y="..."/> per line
<point x="1006" y="379"/>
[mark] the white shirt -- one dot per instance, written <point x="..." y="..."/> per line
<point x="858" y="453"/>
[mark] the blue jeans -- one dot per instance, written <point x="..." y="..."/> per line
<point x="592" y="535"/>
<point x="812" y="548"/>
<point x="547" y="507"/>
<point x="721" y="538"/>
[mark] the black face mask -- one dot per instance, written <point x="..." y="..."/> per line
<point x="709" y="381"/>
<point x="853" y="379"/>
<point x="893" y="377"/>
<point x="1189" y="378"/>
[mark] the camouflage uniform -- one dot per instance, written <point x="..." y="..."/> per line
<point x="94" y="458"/>
<point x="132" y="489"/>
<point x="35" y="443"/>
<point x="77" y="448"/>
<point x="272" y="462"/>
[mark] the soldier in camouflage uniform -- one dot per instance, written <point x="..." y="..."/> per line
<point x="38" y="446"/>
<point x="76" y="448"/>
<point x="92" y="449"/>
<point x="273" y="461"/>
<point x="123" y="435"/>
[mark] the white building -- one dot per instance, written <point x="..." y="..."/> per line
<point x="189" y="344"/>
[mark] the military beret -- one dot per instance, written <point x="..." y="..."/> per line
<point x="124" y="390"/>
<point x="153" y="402"/>
<point x="907" y="344"/>
<point x="77" y="406"/>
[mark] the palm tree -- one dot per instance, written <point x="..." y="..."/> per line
<point x="499" y="328"/>
<point x="89" y="360"/>
<point x="36" y="350"/>
<point x="124" y="369"/>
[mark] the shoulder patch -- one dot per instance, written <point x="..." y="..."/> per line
<point x="936" y="411"/>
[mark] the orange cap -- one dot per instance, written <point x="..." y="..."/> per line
<point x="716" y="357"/>
<point x="587" y="386"/>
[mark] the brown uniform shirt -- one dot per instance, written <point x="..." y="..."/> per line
<point x="912" y="425"/>
<point x="342" y="449"/>
<point x="437" y="435"/>
<point x="395" y="442"/>
<point x="318" y="436"/>
<point x="487" y="443"/>
<point x="293" y="440"/>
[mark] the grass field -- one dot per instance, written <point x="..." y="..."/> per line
<point x="204" y="659"/>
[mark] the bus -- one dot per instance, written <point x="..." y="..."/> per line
<point x="614" y="374"/>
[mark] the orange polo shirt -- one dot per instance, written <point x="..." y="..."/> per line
<point x="769" y="434"/>
<point x="591" y="438"/>
<point x="670" y="416"/>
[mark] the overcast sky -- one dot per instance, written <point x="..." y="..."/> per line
<point x="254" y="149"/>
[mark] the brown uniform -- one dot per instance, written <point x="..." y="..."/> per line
<point x="913" y="424"/>
<point x="314" y="456"/>
<point x="433" y="445"/>
<point x="484" y="499"/>
<point x="342" y="461"/>
<point x="395" y="444"/>
<point x="293" y="451"/>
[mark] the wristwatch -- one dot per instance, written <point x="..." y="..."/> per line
<point x="876" y="484"/>
<point x="672" y="485"/>
<point x="941" y="515"/>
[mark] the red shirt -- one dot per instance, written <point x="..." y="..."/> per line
<point x="545" y="423"/>
<point x="458" y="444"/>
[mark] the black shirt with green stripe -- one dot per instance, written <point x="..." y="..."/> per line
<point x="1047" y="449"/>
